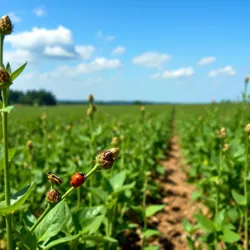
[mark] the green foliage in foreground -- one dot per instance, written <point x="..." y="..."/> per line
<point x="65" y="140"/>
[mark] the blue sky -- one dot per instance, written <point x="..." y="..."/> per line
<point x="154" y="50"/>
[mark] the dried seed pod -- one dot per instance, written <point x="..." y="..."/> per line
<point x="90" y="98"/>
<point x="247" y="128"/>
<point x="115" y="141"/>
<point x="4" y="78"/>
<point x="6" y="26"/>
<point x="246" y="79"/>
<point x="29" y="145"/>
<point x="225" y="147"/>
<point x="106" y="158"/>
<point x="53" y="196"/>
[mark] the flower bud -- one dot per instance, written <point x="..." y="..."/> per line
<point x="106" y="158"/>
<point x="142" y="109"/>
<point x="225" y="147"/>
<point x="246" y="79"/>
<point x="115" y="141"/>
<point x="53" y="196"/>
<point x="122" y="137"/>
<point x="44" y="116"/>
<point x="68" y="127"/>
<point x="222" y="133"/>
<point x="6" y="26"/>
<point x="4" y="78"/>
<point x="90" y="98"/>
<point x="247" y="128"/>
<point x="90" y="112"/>
<point x="29" y="145"/>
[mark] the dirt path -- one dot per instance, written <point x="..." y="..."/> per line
<point x="177" y="200"/>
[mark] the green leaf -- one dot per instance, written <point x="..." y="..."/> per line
<point x="186" y="225"/>
<point x="230" y="236"/>
<point x="91" y="224"/>
<point x="16" y="200"/>
<point x="17" y="72"/>
<point x="124" y="187"/>
<point x="60" y="241"/>
<point x="151" y="248"/>
<point x="205" y="222"/>
<point x="69" y="225"/>
<point x="118" y="180"/>
<point x="8" y="68"/>
<point x="7" y="109"/>
<point x="97" y="238"/>
<point x="239" y="198"/>
<point x="150" y="232"/>
<point x="153" y="209"/>
<point x="52" y="223"/>
<point x="11" y="153"/>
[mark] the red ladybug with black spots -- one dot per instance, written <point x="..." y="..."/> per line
<point x="77" y="179"/>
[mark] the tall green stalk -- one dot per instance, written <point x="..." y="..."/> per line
<point x="246" y="193"/>
<point x="5" y="159"/>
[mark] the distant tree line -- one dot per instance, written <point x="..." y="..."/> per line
<point x="32" y="97"/>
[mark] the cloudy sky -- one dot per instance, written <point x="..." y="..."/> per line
<point x="155" y="50"/>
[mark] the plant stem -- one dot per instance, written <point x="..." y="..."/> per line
<point x="1" y="49"/>
<point x="5" y="146"/>
<point x="41" y="218"/>
<point x="246" y="193"/>
<point x="144" y="208"/>
<point x="92" y="171"/>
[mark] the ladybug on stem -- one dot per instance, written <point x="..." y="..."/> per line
<point x="77" y="179"/>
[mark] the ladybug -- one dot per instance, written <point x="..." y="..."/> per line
<point x="77" y="179"/>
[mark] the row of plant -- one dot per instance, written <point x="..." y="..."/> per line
<point x="78" y="185"/>
<point x="216" y="146"/>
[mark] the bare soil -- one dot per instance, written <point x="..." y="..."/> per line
<point x="177" y="199"/>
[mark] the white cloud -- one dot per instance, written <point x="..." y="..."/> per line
<point x="18" y="57"/>
<point x="85" y="51"/>
<point x="118" y="50"/>
<point x="57" y="51"/>
<point x="99" y="64"/>
<point x="151" y="59"/>
<point x="177" y="73"/>
<point x="14" y="18"/>
<point x="39" y="11"/>
<point x="207" y="60"/>
<point x="227" y="70"/>
<point x="40" y="37"/>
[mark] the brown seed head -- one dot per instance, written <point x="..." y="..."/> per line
<point x="68" y="127"/>
<point x="107" y="158"/>
<point x="53" y="196"/>
<point x="222" y="133"/>
<point x="6" y="26"/>
<point x="4" y="78"/>
<point x="44" y="116"/>
<point x="247" y="128"/>
<point x="90" y="112"/>
<point x="225" y="147"/>
<point x="115" y="141"/>
<point x="246" y="79"/>
<point x="90" y="98"/>
<point x="29" y="145"/>
<point x="142" y="109"/>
